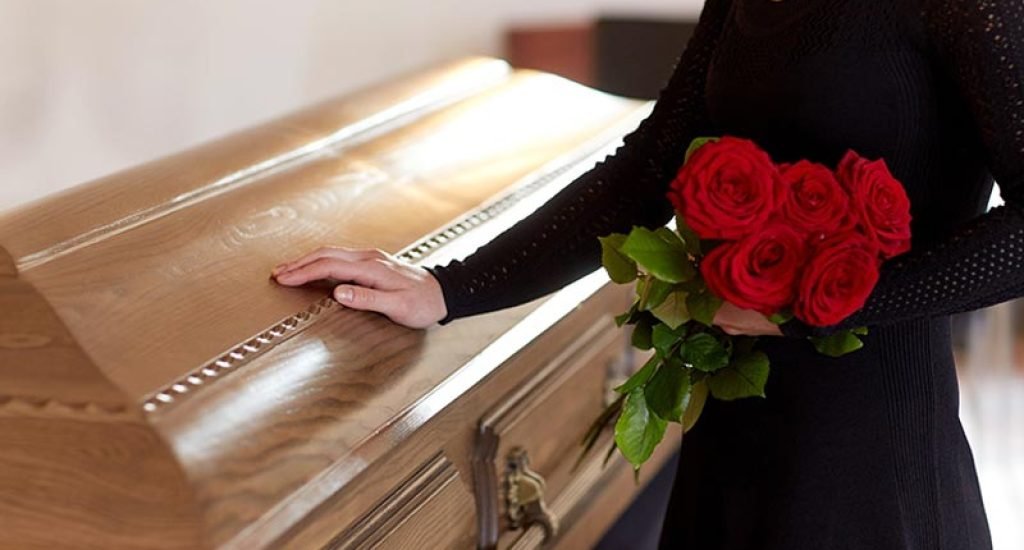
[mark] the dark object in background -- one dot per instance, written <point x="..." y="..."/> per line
<point x="627" y="56"/>
<point x="563" y="49"/>
<point x="635" y="57"/>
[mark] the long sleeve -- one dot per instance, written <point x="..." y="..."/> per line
<point x="557" y="243"/>
<point x="979" y="44"/>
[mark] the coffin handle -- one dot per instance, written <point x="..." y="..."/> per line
<point x="524" y="496"/>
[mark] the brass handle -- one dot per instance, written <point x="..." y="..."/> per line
<point x="524" y="496"/>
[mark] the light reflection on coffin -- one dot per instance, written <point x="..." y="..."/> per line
<point x="158" y="390"/>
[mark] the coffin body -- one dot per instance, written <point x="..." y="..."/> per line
<point x="158" y="390"/>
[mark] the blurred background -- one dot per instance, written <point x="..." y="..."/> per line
<point x="89" y="87"/>
<point x="92" y="86"/>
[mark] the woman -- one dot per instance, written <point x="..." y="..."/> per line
<point x="864" y="451"/>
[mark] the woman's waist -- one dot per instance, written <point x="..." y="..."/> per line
<point x="904" y="364"/>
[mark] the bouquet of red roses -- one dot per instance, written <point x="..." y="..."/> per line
<point x="794" y="239"/>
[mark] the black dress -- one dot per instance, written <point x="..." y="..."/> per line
<point x="865" y="451"/>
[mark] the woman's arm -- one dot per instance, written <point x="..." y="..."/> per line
<point x="981" y="46"/>
<point x="557" y="243"/>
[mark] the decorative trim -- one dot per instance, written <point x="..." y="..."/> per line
<point x="396" y="508"/>
<point x="428" y="245"/>
<point x="404" y="422"/>
<point x="604" y="144"/>
<point x="507" y="413"/>
<point x="14" y="405"/>
<point x="235" y="358"/>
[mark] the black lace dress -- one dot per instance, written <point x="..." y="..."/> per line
<point x="864" y="451"/>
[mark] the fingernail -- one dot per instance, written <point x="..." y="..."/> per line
<point x="344" y="294"/>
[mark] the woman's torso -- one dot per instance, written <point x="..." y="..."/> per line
<point x="864" y="451"/>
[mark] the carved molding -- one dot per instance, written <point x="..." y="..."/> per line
<point x="244" y="353"/>
<point x="382" y="521"/>
<point x="240" y="355"/>
<point x="14" y="405"/>
<point x="485" y="484"/>
<point x="485" y="459"/>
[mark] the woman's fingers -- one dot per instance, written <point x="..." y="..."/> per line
<point x="366" y="273"/>
<point x="368" y="299"/>
<point x="414" y="308"/>
<point x="330" y="252"/>
<point x="736" y="321"/>
<point x="371" y="280"/>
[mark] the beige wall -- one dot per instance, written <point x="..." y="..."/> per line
<point x="91" y="86"/>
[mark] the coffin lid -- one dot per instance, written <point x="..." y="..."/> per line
<point x="225" y="406"/>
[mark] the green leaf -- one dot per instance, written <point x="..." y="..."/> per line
<point x="671" y="237"/>
<point x="663" y="338"/>
<point x="620" y="268"/>
<point x="781" y="317"/>
<point x="642" y="334"/>
<point x="691" y="241"/>
<point x="705" y="353"/>
<point x="695" y="405"/>
<point x="668" y="391"/>
<point x="658" y="257"/>
<point x="703" y="306"/>
<point x="657" y="291"/>
<point x="837" y="344"/>
<point x="640" y="377"/>
<point x="744" y="377"/>
<point x="697" y="143"/>
<point x="673" y="310"/>
<point x="627" y="317"/>
<point x="860" y="331"/>
<point x="693" y="286"/>
<point x="638" y="430"/>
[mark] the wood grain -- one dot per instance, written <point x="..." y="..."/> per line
<point x="289" y="420"/>
<point x="178" y="289"/>
<point x="77" y="454"/>
<point x="411" y="515"/>
<point x="389" y="456"/>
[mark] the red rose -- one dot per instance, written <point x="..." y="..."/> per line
<point x="758" y="272"/>
<point x="726" y="190"/>
<point x="813" y="201"/>
<point x="838" y="279"/>
<point x="880" y="202"/>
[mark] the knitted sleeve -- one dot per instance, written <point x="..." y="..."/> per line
<point x="980" y="45"/>
<point x="557" y="243"/>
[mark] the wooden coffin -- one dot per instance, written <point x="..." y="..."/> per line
<point x="158" y="390"/>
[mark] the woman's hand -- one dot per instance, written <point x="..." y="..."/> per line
<point x="371" y="280"/>
<point x="736" y="321"/>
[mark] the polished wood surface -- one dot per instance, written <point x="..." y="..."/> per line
<point x="202" y="266"/>
<point x="151" y="371"/>
<point x="77" y="454"/>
